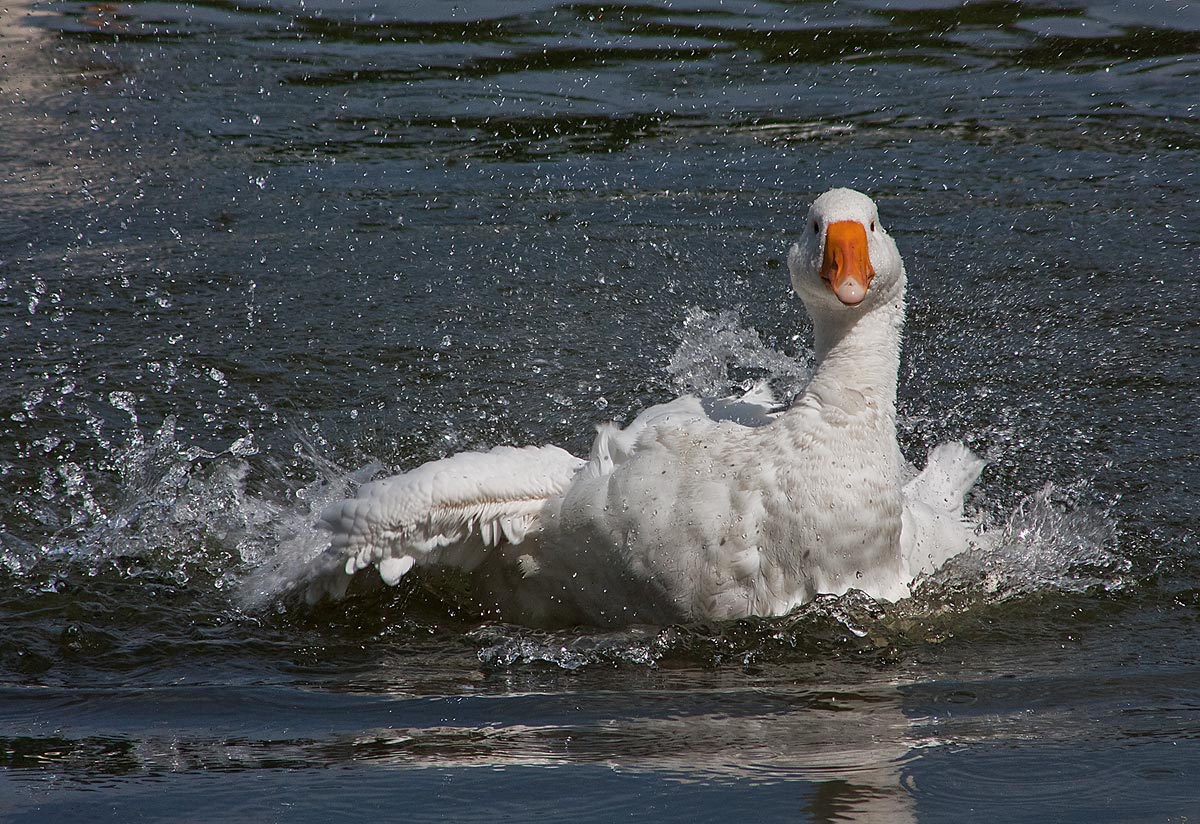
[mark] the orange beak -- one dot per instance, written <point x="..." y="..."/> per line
<point x="846" y="266"/>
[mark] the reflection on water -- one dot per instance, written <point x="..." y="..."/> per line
<point x="844" y="742"/>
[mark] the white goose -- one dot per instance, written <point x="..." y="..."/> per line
<point x="697" y="510"/>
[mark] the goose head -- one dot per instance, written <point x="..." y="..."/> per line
<point x="844" y="261"/>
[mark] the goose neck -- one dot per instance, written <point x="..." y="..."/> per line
<point x="860" y="351"/>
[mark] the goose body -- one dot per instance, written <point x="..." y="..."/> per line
<point x="698" y="510"/>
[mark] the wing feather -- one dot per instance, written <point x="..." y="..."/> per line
<point x="449" y="512"/>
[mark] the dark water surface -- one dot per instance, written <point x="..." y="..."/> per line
<point x="247" y="249"/>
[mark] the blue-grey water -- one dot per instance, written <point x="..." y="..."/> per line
<point x="252" y="253"/>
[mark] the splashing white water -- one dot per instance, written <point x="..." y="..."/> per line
<point x="180" y="511"/>
<point x="1053" y="539"/>
<point x="505" y="646"/>
<point x="158" y="509"/>
<point x="187" y="515"/>
<point x="716" y="355"/>
<point x="295" y="540"/>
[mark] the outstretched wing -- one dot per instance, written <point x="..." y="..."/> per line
<point x="447" y="512"/>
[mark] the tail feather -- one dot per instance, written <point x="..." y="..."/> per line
<point x="933" y="527"/>
<point x="949" y="474"/>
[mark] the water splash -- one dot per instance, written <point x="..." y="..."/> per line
<point x="827" y="626"/>
<point x="285" y="557"/>
<point x="716" y="355"/>
<point x="159" y="510"/>
<point x="187" y="516"/>
<point x="1054" y="539"/>
<point x="505" y="646"/>
<point x="178" y="511"/>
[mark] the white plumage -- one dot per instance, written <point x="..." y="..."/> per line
<point x="699" y="509"/>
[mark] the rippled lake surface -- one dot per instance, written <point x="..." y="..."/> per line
<point x="253" y="253"/>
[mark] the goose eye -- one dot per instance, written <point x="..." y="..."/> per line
<point x="872" y="226"/>
<point x="816" y="230"/>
